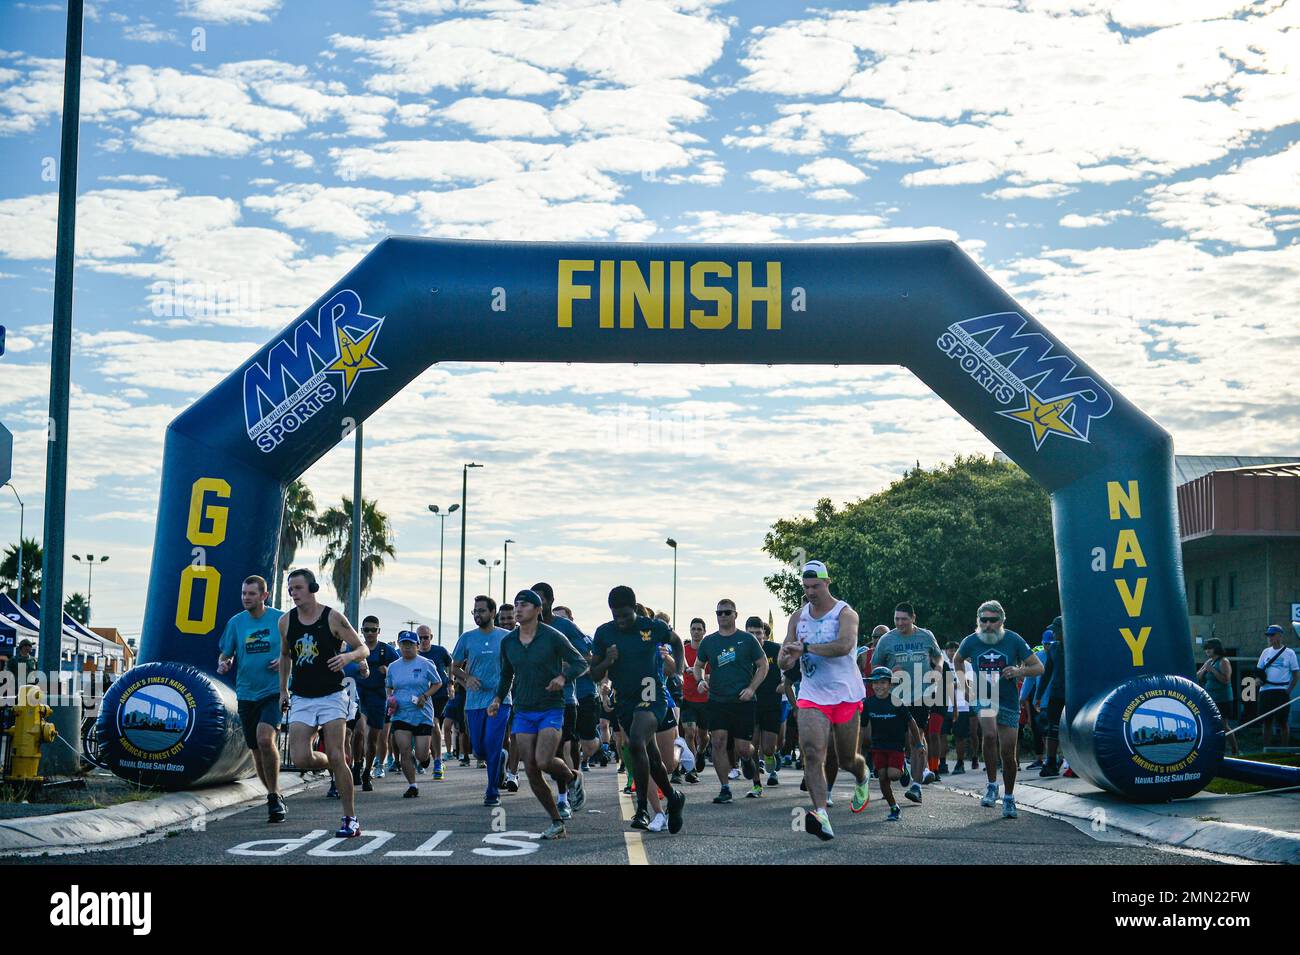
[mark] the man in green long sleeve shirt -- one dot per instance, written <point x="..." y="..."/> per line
<point x="538" y="661"/>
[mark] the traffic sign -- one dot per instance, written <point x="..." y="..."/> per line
<point x="6" y="455"/>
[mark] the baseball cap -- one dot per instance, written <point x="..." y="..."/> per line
<point x="1272" y="629"/>
<point x="528" y="597"/>
<point x="815" y="568"/>
<point x="880" y="673"/>
<point x="407" y="636"/>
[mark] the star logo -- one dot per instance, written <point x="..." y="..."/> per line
<point x="354" y="357"/>
<point x="1044" y="417"/>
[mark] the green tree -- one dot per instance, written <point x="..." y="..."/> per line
<point x="945" y="540"/>
<point x="335" y="528"/>
<point x="297" y="526"/>
<point x="33" y="556"/>
<point x="77" y="608"/>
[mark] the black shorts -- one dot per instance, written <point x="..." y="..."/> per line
<point x="695" y="712"/>
<point x="733" y="717"/>
<point x="1271" y="698"/>
<point x="439" y="709"/>
<point x="252" y="712"/>
<point x="664" y="718"/>
<point x="922" y="716"/>
<point x="667" y="721"/>
<point x="415" y="729"/>
<point x="569" y="729"/>
<point x="588" y="718"/>
<point x="767" y="716"/>
<point x="961" y="725"/>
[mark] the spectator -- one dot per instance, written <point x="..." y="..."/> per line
<point x="1215" y="675"/>
<point x="1051" y="686"/>
<point x="1278" y="671"/>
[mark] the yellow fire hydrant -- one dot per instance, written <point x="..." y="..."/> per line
<point x="28" y="733"/>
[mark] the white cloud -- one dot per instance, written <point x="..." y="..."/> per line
<point x="1241" y="206"/>
<point x="832" y="172"/>
<point x="1039" y="92"/>
<point x="1075" y="221"/>
<point x="830" y="195"/>
<point x="229" y="11"/>
<point x="349" y="213"/>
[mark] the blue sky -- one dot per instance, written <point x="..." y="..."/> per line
<point x="1129" y="170"/>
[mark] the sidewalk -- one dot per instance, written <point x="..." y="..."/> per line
<point x="1255" y="827"/>
<point x="63" y="832"/>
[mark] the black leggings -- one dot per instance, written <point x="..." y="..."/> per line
<point x="1052" y="718"/>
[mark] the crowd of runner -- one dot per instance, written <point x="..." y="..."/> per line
<point x="526" y="685"/>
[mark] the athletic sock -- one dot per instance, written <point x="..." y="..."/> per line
<point x="934" y="764"/>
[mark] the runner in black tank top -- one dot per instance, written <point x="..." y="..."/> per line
<point x="312" y="646"/>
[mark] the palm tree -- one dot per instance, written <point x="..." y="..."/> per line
<point x="297" y="526"/>
<point x="33" y="555"/>
<point x="76" y="608"/>
<point x="335" y="527"/>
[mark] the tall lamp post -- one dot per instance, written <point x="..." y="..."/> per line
<point x="495" y="563"/>
<point x="673" y="544"/>
<point x="90" y="577"/>
<point x="442" y="543"/>
<point x="464" y="516"/>
<point x="21" y="512"/>
<point x="505" y="569"/>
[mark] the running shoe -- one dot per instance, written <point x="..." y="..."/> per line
<point x="334" y="791"/>
<point x="830" y="800"/>
<point x="555" y="830"/>
<point x="1009" y="807"/>
<point x="586" y="768"/>
<point x="895" y="814"/>
<point x="349" y="830"/>
<point x="366" y="785"/>
<point x="379" y="772"/>
<point x="692" y="777"/>
<point x="658" y="824"/>
<point x="928" y="778"/>
<point x="464" y="760"/>
<point x="755" y="791"/>
<point x="641" y="819"/>
<point x="818" y="822"/>
<point x="723" y="796"/>
<point x="734" y="774"/>
<point x="861" y="796"/>
<point x="676" y="803"/>
<point x="974" y="764"/>
<point x="990" y="796"/>
<point x="959" y="769"/>
<point x="565" y="810"/>
<point x="906" y="779"/>
<point x="275" y="810"/>
<point x="772" y="779"/>
<point x="437" y="770"/>
<point x="392" y="764"/>
<point x="676" y="777"/>
<point x="482" y="764"/>
<point x="512" y="783"/>
<point x="627" y="790"/>
<point x="412" y="791"/>
<point x="577" y="793"/>
<point x="419" y="770"/>
<point x="1036" y="764"/>
<point x="491" y="801"/>
<point x="1050" y="771"/>
<point x="943" y="767"/>
<point x="803" y="785"/>
<point x="914" y="792"/>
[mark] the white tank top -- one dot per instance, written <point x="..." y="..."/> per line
<point x="827" y="680"/>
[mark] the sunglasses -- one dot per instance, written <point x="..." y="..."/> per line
<point x="369" y="629"/>
<point x="989" y="619"/>
<point x="724" y="613"/>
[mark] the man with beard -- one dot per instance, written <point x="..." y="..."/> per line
<point x="1001" y="657"/>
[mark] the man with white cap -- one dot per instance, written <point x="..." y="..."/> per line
<point x="1278" y="664"/>
<point x="822" y="639"/>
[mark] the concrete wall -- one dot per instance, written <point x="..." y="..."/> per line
<point x="1268" y="582"/>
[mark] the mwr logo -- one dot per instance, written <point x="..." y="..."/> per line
<point x="303" y="372"/>
<point x="1025" y="369"/>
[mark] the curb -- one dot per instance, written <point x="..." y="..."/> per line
<point x="92" y="829"/>
<point x="1223" y="838"/>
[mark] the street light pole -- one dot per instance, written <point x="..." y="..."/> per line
<point x="489" y="567"/>
<point x="442" y="547"/>
<point x="673" y="544"/>
<point x="464" y="516"/>
<point x="21" y="511"/>
<point x="90" y="577"/>
<point x="505" y="569"/>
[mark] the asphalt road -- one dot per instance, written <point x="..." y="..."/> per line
<point x="449" y="824"/>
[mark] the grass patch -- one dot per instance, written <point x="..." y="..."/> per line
<point x="1228" y="787"/>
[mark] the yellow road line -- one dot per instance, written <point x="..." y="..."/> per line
<point x="632" y="838"/>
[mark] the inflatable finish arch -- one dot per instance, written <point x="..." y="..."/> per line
<point x="1136" y="724"/>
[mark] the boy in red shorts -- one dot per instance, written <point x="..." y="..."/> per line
<point x="884" y="734"/>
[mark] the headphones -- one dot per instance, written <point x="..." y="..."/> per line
<point x="312" y="586"/>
